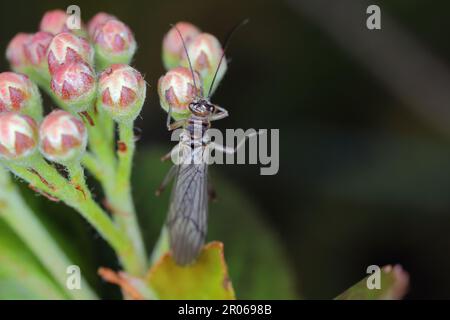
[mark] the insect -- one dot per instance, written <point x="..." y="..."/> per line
<point x="188" y="210"/>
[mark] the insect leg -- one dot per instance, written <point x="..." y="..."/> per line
<point x="169" y="176"/>
<point x="230" y="150"/>
<point x="223" y="113"/>
<point x="173" y="125"/>
<point x="168" y="155"/>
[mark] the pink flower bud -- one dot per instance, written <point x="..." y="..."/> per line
<point x="173" y="50"/>
<point x="74" y="83"/>
<point x="18" y="93"/>
<point x="67" y="47"/>
<point x="205" y="52"/>
<point x="122" y="92"/>
<point x="62" y="137"/>
<point x="54" y="22"/>
<point x="176" y="88"/>
<point x="114" y="43"/>
<point x="15" y="53"/>
<point x="36" y="47"/>
<point x="98" y="20"/>
<point x="18" y="136"/>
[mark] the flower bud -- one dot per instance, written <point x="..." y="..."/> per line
<point x="98" y="20"/>
<point x="205" y="52"/>
<point x="176" y="89"/>
<point x="62" y="137"/>
<point x="172" y="49"/>
<point x="36" y="48"/>
<point x="56" y="21"/>
<point x="114" y="43"/>
<point x="15" y="53"/>
<point x="121" y="92"/>
<point x="75" y="85"/>
<point x="66" y="47"/>
<point x="18" y="136"/>
<point x="18" y="93"/>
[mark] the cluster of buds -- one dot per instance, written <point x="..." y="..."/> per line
<point x="65" y="62"/>
<point x="82" y="69"/>
<point x="61" y="137"/>
<point x="85" y="71"/>
<point x="177" y="87"/>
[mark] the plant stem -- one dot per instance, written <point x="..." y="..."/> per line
<point x="57" y="186"/>
<point x="120" y="243"/>
<point x="120" y="196"/>
<point x="116" y="178"/>
<point x="90" y="162"/>
<point x="76" y="175"/>
<point x="95" y="215"/>
<point x="101" y="158"/>
<point x="162" y="246"/>
<point x="125" y="153"/>
<point x="30" y="229"/>
<point x="103" y="165"/>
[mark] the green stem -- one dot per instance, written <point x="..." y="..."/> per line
<point x="57" y="186"/>
<point x="120" y="196"/>
<point x="30" y="229"/>
<point x="90" y="162"/>
<point x="125" y="154"/>
<point x="95" y="215"/>
<point x="77" y="179"/>
<point x="101" y="146"/>
<point x="162" y="246"/>
<point x="115" y="179"/>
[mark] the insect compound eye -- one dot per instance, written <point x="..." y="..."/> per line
<point x="193" y="106"/>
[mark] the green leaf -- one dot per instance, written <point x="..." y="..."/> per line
<point x="21" y="275"/>
<point x="257" y="262"/>
<point x="206" y="279"/>
<point x="394" y="283"/>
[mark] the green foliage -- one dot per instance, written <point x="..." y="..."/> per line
<point x="21" y="275"/>
<point x="393" y="285"/>
<point x="206" y="279"/>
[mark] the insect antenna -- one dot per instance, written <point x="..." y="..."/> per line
<point x="187" y="55"/>
<point x="226" y="43"/>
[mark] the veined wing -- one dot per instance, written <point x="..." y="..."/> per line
<point x="187" y="218"/>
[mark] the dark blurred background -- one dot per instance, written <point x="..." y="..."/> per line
<point x="364" y="119"/>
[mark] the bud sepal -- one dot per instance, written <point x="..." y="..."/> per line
<point x="18" y="138"/>
<point x="172" y="47"/>
<point x="205" y="52"/>
<point x="114" y="43"/>
<point x="65" y="48"/>
<point x="62" y="137"/>
<point x="121" y="92"/>
<point x="177" y="90"/>
<point x="19" y="94"/>
<point x="74" y="85"/>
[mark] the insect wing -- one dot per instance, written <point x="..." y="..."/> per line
<point x="187" y="219"/>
